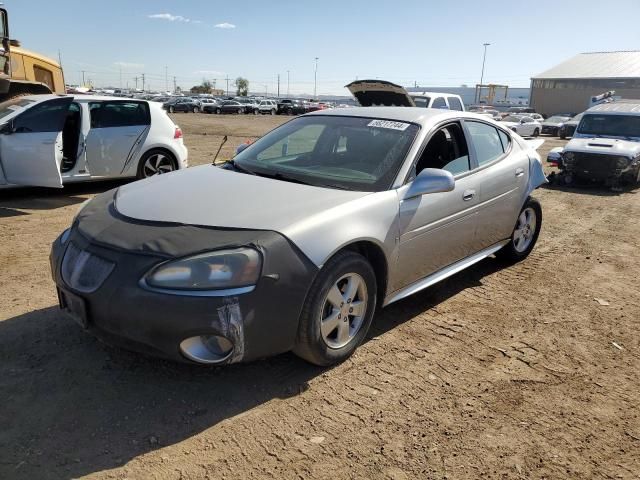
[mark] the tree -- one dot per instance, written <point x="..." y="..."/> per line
<point x="242" y="87"/>
<point x="205" y="87"/>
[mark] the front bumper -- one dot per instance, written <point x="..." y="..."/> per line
<point x="598" y="167"/>
<point x="259" y="323"/>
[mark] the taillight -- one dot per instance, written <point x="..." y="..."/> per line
<point x="177" y="134"/>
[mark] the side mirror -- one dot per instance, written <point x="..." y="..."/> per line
<point x="431" y="180"/>
<point x="522" y="122"/>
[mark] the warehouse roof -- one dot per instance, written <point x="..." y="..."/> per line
<point x="621" y="64"/>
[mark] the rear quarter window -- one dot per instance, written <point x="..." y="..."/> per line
<point x="119" y="114"/>
<point x="439" y="102"/>
<point x="455" y="104"/>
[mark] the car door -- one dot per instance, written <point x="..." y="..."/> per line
<point x="31" y="144"/>
<point x="438" y="229"/>
<point x="118" y="128"/>
<point x="528" y="126"/>
<point x="503" y="171"/>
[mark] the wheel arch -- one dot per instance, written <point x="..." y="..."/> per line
<point x="376" y="257"/>
<point x="160" y="148"/>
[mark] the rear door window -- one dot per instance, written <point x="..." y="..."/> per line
<point x="439" y="102"/>
<point x="487" y="142"/>
<point x="455" y="104"/>
<point x="119" y="114"/>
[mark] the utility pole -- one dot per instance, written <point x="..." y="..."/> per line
<point x="265" y="91"/>
<point x="83" y="78"/>
<point x="315" y="81"/>
<point x="136" y="79"/>
<point x="120" y="68"/>
<point x="143" y="82"/>
<point x="278" y="85"/>
<point x="174" y="85"/>
<point x="227" y="79"/>
<point x="287" y="83"/>
<point x="484" y="58"/>
<point x="166" y="78"/>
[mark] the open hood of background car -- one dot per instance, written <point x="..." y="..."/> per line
<point x="371" y="93"/>
<point x="213" y="197"/>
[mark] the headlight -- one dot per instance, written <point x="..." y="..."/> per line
<point x="568" y="157"/>
<point x="220" y="269"/>
<point x="623" y="162"/>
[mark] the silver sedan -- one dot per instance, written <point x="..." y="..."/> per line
<point x="294" y="243"/>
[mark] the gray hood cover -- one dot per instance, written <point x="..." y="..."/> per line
<point x="211" y="196"/>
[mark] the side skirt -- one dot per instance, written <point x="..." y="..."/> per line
<point x="444" y="273"/>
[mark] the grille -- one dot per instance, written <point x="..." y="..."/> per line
<point x="84" y="271"/>
<point x="595" y="164"/>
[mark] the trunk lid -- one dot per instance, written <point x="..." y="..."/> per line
<point x="371" y="93"/>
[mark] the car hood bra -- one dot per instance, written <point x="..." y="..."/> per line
<point x="213" y="197"/>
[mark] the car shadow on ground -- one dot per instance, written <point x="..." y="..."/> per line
<point x="13" y="201"/>
<point x="72" y="406"/>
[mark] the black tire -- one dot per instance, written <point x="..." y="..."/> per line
<point x="562" y="133"/>
<point x="196" y="109"/>
<point x="240" y="111"/>
<point x="172" y="110"/>
<point x="255" y="111"/>
<point x="289" y="111"/>
<point x="509" y="252"/>
<point x="141" y="172"/>
<point x="536" y="132"/>
<point x="218" y="111"/>
<point x="310" y="344"/>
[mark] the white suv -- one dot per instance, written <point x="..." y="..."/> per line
<point x="48" y="140"/>
<point x="380" y="92"/>
<point x="268" y="106"/>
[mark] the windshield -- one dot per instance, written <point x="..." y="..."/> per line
<point x="556" y="119"/>
<point x="353" y="153"/>
<point x="511" y="118"/>
<point x="421" y="101"/>
<point x="10" y="106"/>
<point x="610" y="125"/>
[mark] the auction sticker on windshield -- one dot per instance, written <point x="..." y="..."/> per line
<point x="388" y="124"/>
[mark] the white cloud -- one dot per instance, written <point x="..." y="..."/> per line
<point x="128" y="65"/>
<point x="170" y="17"/>
<point x="225" y="25"/>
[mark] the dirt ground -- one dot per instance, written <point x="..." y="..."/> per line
<point x="499" y="372"/>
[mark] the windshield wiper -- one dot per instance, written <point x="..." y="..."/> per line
<point x="239" y="168"/>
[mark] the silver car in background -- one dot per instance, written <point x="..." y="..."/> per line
<point x="324" y="219"/>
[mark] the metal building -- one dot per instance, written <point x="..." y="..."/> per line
<point x="568" y="87"/>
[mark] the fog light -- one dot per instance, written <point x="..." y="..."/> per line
<point x="207" y="348"/>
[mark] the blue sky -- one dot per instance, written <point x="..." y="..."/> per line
<point x="433" y="43"/>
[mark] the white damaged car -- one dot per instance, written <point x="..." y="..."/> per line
<point x="48" y="140"/>
<point x="294" y="243"/>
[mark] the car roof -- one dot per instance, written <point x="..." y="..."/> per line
<point x="616" y="108"/>
<point x="422" y="116"/>
<point x="432" y="94"/>
<point x="102" y="98"/>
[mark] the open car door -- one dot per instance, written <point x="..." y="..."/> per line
<point x="31" y="144"/>
<point x="371" y="93"/>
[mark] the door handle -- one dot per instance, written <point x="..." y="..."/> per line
<point x="468" y="195"/>
<point x="519" y="172"/>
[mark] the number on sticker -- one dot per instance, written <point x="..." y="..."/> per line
<point x="388" y="124"/>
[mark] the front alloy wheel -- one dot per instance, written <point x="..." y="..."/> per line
<point x="343" y="311"/>
<point x="338" y="310"/>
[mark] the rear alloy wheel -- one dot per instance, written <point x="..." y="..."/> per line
<point x="218" y="111"/>
<point x="525" y="233"/>
<point x="156" y="162"/>
<point x="196" y="109"/>
<point x="255" y="111"/>
<point x="536" y="132"/>
<point x="289" y="111"/>
<point x="172" y="110"/>
<point x="240" y="111"/>
<point x="338" y="310"/>
<point x="273" y="111"/>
